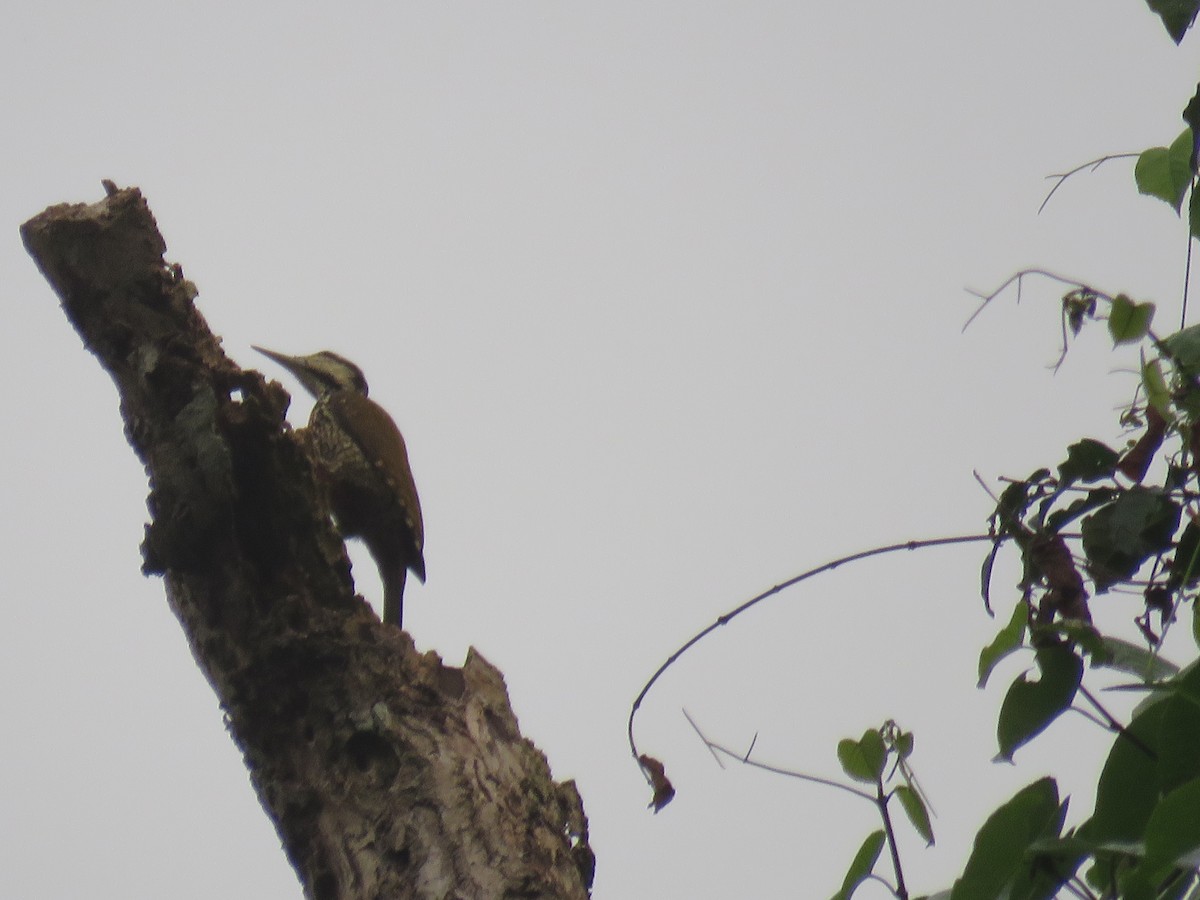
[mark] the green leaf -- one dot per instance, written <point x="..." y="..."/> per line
<point x="1185" y="564"/>
<point x="1129" y="321"/>
<point x="1119" y="537"/>
<point x="914" y="808"/>
<point x="1191" y="112"/>
<point x="1184" y="347"/>
<point x="1173" y="832"/>
<point x="1127" y="790"/>
<point x="1009" y="638"/>
<point x="985" y="577"/>
<point x="850" y="756"/>
<point x="1085" y="504"/>
<point x="1158" y="394"/>
<point x="1134" y="886"/>
<point x="904" y="744"/>
<point x="998" y="858"/>
<point x="1109" y="859"/>
<point x="1177" y="15"/>
<point x="874" y="751"/>
<point x="1016" y="499"/>
<point x="862" y="865"/>
<point x="1061" y="855"/>
<point x="863" y="760"/>
<point x="1135" y="659"/>
<point x="1179" y="738"/>
<point x="1083" y="634"/>
<point x="1030" y="706"/>
<point x="1165" y="172"/>
<point x="1187" y="396"/>
<point x="1088" y="460"/>
<point x="1194" y="215"/>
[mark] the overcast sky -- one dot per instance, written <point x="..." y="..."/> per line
<point x="667" y="300"/>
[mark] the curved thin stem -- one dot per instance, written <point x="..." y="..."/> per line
<point x="754" y="601"/>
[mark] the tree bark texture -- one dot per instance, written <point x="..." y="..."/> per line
<point x="387" y="773"/>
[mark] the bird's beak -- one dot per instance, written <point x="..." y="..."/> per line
<point x="271" y="354"/>
<point x="291" y="363"/>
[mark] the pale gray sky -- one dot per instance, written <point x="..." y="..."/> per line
<point x="667" y="299"/>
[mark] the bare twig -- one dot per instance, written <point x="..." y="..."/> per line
<point x="1115" y="726"/>
<point x="1019" y="278"/>
<point x="987" y="490"/>
<point x="714" y="748"/>
<point x="1093" y="166"/>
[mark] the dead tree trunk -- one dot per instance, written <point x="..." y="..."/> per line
<point x="387" y="774"/>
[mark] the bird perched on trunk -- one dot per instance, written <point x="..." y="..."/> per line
<point x="360" y="458"/>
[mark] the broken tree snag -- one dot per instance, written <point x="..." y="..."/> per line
<point x="387" y="773"/>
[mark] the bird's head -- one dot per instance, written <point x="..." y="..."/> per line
<point x="321" y="373"/>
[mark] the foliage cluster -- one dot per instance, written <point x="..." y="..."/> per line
<point x="1103" y="521"/>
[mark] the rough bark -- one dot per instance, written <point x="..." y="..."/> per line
<point x="387" y="773"/>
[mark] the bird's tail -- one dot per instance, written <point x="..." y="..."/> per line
<point x="393" y="595"/>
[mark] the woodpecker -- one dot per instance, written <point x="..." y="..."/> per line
<point x="360" y="457"/>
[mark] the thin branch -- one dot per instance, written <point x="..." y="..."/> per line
<point x="1091" y="717"/>
<point x="714" y="748"/>
<point x="983" y="484"/>
<point x="1114" y="725"/>
<point x="881" y="801"/>
<point x="1079" y="889"/>
<point x="803" y="576"/>
<point x="750" y="749"/>
<point x="1187" y="270"/>
<point x="1019" y="278"/>
<point x="1093" y="166"/>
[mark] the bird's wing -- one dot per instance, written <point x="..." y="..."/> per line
<point x="369" y="425"/>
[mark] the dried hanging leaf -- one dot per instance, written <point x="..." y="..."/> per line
<point x="656" y="772"/>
